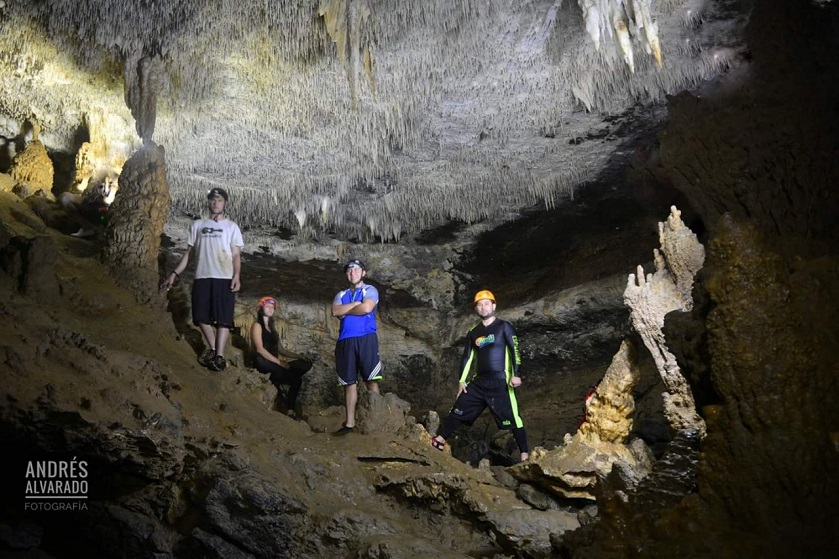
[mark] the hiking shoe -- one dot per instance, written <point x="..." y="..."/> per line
<point x="206" y="357"/>
<point x="83" y="233"/>
<point x="218" y="363"/>
<point x="344" y="430"/>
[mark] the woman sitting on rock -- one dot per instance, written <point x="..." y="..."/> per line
<point x="92" y="204"/>
<point x="283" y="366"/>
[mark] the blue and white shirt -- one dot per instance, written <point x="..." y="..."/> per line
<point x="355" y="326"/>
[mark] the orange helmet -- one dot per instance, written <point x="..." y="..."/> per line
<point x="483" y="294"/>
<point x="266" y="301"/>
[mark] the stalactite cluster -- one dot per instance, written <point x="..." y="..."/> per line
<point x="371" y="118"/>
<point x="622" y="22"/>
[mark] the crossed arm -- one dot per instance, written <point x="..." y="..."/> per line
<point x="357" y="308"/>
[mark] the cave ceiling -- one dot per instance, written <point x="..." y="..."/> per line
<point x="362" y="119"/>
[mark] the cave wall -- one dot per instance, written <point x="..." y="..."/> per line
<point x="559" y="277"/>
<point x="761" y="142"/>
<point x="755" y="153"/>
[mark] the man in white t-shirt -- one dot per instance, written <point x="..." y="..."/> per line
<point x="217" y="242"/>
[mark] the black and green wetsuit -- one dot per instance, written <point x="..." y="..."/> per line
<point x="493" y="353"/>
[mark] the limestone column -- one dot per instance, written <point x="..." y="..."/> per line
<point x="135" y="223"/>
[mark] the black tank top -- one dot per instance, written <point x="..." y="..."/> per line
<point x="270" y="341"/>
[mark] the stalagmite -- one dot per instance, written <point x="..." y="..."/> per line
<point x="33" y="168"/>
<point x="572" y="469"/>
<point x="650" y="298"/>
<point x="610" y="409"/>
<point x="135" y="224"/>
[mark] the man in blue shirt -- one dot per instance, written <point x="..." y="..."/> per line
<point x="357" y="349"/>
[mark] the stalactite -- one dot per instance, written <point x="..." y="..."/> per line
<point x="345" y="20"/>
<point x="143" y="82"/>
<point x="631" y="22"/>
<point x="444" y="97"/>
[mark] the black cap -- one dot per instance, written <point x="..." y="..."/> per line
<point x="355" y="263"/>
<point x="217" y="192"/>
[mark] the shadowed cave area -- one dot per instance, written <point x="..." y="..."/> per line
<point x="666" y="254"/>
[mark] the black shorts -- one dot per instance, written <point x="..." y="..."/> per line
<point x="489" y="392"/>
<point x="356" y="357"/>
<point x="213" y="302"/>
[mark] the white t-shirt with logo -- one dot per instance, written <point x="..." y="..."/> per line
<point x="213" y="242"/>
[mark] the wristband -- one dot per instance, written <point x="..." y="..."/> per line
<point x="177" y="275"/>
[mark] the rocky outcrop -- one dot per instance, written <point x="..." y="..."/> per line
<point x="644" y="514"/>
<point x="650" y="298"/>
<point x="573" y="469"/>
<point x="27" y="253"/>
<point x="33" y="168"/>
<point x="381" y="413"/>
<point x="513" y="524"/>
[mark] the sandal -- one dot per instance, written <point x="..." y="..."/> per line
<point x="437" y="443"/>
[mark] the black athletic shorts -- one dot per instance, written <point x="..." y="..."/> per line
<point x="358" y="356"/>
<point x="213" y="302"/>
<point x="491" y="392"/>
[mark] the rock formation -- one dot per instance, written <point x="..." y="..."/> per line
<point x="143" y="81"/>
<point x="32" y="167"/>
<point x="609" y="410"/>
<point x="135" y="222"/>
<point x="773" y="369"/>
<point x="573" y="469"/>
<point x="111" y="142"/>
<point x="651" y="298"/>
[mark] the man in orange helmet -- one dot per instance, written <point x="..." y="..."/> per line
<point x="493" y="349"/>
